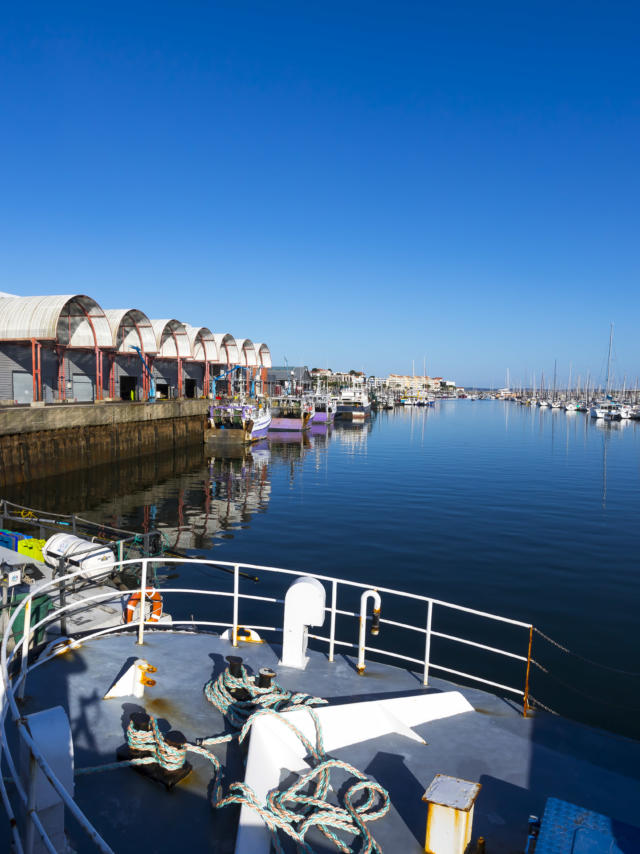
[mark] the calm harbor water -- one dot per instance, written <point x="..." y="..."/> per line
<point x="527" y="513"/>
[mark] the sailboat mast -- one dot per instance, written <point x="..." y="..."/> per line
<point x="609" y="357"/>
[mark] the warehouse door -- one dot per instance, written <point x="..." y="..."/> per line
<point x="82" y="387"/>
<point x="22" y="387"/>
<point x="128" y="388"/>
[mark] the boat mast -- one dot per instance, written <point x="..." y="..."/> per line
<point x="609" y="357"/>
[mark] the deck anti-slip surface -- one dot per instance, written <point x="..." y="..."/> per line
<point x="518" y="762"/>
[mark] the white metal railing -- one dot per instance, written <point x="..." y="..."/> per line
<point x="15" y="666"/>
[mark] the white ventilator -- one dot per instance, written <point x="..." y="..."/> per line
<point x="304" y="606"/>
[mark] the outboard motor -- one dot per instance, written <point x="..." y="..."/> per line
<point x="95" y="561"/>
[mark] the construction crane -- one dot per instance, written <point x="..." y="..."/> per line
<point x="152" y="382"/>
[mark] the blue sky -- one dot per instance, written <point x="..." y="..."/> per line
<point x="358" y="184"/>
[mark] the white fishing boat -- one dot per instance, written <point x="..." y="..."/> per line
<point x="353" y="405"/>
<point x="571" y="406"/>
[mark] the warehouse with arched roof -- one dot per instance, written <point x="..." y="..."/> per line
<point x="204" y="353"/>
<point x="52" y="348"/>
<point x="130" y="328"/>
<point x="64" y="348"/>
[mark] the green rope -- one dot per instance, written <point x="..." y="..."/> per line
<point x="275" y="697"/>
<point x="290" y="812"/>
<point x="304" y="804"/>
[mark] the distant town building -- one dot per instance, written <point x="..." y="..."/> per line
<point x="414" y="384"/>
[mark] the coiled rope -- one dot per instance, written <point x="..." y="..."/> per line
<point x="167" y="756"/>
<point x="237" y="710"/>
<point x="304" y="804"/>
<point x="294" y="810"/>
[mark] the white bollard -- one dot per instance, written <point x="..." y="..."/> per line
<point x="51" y="732"/>
<point x="132" y="681"/>
<point x="304" y="605"/>
<point x="450" y="814"/>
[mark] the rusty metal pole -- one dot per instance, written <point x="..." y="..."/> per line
<point x="525" y="705"/>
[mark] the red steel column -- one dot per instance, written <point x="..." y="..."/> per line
<point x="112" y="375"/>
<point x="33" y="367"/>
<point x="62" y="382"/>
<point x="39" y="349"/>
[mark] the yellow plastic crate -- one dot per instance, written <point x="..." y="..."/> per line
<point x="32" y="549"/>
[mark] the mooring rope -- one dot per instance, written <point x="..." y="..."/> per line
<point x="292" y="811"/>
<point x="237" y="711"/>
<point x="304" y="804"/>
<point x="167" y="756"/>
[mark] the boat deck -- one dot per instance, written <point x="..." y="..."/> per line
<point x="519" y="762"/>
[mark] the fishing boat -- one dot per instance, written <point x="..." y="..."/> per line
<point x="353" y="405"/>
<point x="291" y="413"/>
<point x="289" y="714"/>
<point x="238" y="422"/>
<point x="325" y="408"/>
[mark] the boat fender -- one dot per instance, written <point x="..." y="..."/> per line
<point x="153" y="596"/>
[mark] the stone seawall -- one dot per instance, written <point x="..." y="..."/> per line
<point x="37" y="442"/>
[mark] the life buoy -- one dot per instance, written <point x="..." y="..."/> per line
<point x="152" y="595"/>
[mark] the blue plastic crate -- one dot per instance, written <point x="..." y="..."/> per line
<point x="10" y="539"/>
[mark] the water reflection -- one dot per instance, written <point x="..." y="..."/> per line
<point x="526" y="512"/>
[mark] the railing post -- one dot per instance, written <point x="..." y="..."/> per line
<point x="120" y="553"/>
<point x="236" y="585"/>
<point x="74" y="526"/>
<point x="24" y="649"/>
<point x="332" y="632"/>
<point x="525" y="704"/>
<point x="31" y="805"/>
<point x="427" y="643"/>
<point x="63" y="596"/>
<point x="143" y="593"/>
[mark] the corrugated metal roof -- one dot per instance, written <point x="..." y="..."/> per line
<point x="171" y="339"/>
<point x="68" y="319"/>
<point x="203" y="345"/>
<point x="227" y="348"/>
<point x="130" y="326"/>
<point x="264" y="354"/>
